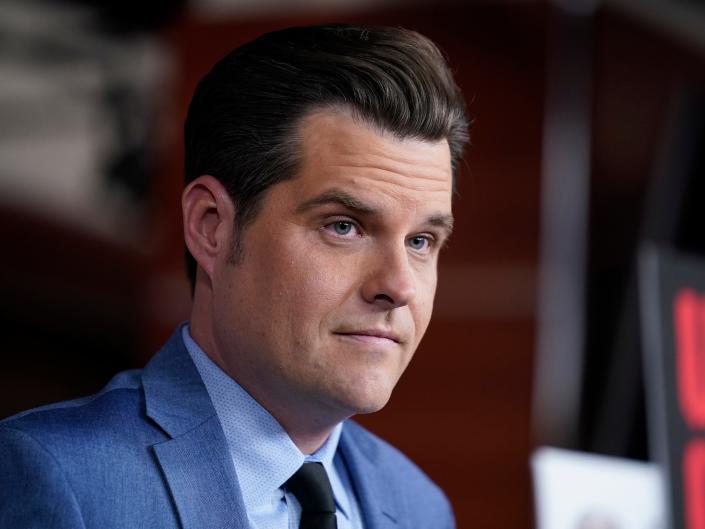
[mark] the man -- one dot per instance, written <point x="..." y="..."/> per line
<point x="320" y="167"/>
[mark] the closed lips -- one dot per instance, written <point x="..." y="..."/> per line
<point x="372" y="333"/>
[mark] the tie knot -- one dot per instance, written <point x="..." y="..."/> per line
<point x="312" y="488"/>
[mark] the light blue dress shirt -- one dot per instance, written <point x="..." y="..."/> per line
<point x="265" y="457"/>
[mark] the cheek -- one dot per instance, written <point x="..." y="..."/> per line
<point x="423" y="307"/>
<point x="310" y="284"/>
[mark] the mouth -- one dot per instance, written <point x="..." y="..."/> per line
<point x="371" y="336"/>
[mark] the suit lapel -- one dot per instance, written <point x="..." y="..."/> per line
<point x="378" y="496"/>
<point x="195" y="460"/>
<point x="201" y="479"/>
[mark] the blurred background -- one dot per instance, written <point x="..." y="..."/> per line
<point x="587" y="141"/>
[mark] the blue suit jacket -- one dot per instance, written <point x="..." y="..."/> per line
<point x="148" y="451"/>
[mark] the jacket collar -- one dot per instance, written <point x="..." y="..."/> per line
<point x="379" y="497"/>
<point x="195" y="459"/>
<point x="175" y="396"/>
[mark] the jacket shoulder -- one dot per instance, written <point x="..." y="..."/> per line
<point x="423" y="498"/>
<point x="59" y="463"/>
<point x="34" y="490"/>
<point x="120" y="398"/>
<point x="110" y="424"/>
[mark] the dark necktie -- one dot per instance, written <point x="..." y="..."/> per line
<point x="311" y="487"/>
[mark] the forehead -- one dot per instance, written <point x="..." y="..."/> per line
<point x="339" y="151"/>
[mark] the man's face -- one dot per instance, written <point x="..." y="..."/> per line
<point x="336" y="285"/>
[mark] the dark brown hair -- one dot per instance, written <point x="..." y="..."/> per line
<point x="242" y="123"/>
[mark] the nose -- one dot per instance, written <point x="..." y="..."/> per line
<point x="390" y="281"/>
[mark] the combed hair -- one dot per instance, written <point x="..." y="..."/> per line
<point x="243" y="122"/>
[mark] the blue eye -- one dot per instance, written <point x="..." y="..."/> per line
<point x="419" y="243"/>
<point x="342" y="227"/>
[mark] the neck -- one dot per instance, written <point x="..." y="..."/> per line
<point x="306" y="424"/>
<point x="307" y="441"/>
<point x="307" y="428"/>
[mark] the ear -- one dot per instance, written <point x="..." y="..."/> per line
<point x="209" y="215"/>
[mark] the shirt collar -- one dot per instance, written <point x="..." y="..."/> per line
<point x="263" y="454"/>
<point x="326" y="455"/>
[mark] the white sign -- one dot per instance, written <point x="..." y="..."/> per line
<point x="576" y="490"/>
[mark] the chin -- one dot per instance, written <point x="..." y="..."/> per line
<point x="364" y="399"/>
<point x="370" y="409"/>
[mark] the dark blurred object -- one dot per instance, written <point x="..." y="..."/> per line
<point x="69" y="311"/>
<point x="690" y="213"/>
<point x="565" y="183"/>
<point x="656" y="198"/>
<point x="672" y="217"/>
<point x="80" y="115"/>
<point x="133" y="16"/>
<point x="672" y="310"/>
<point x="640" y="147"/>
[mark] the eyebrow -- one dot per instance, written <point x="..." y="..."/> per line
<point x="444" y="221"/>
<point x="342" y="198"/>
<point x="336" y="196"/>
